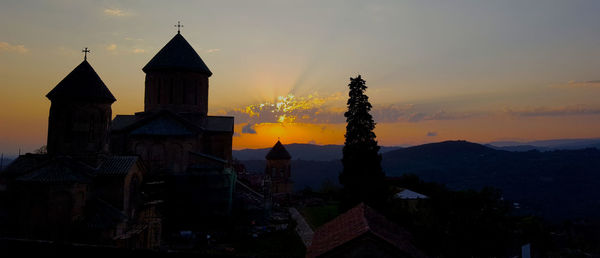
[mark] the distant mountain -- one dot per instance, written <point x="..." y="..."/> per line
<point x="6" y="161"/>
<point x="555" y="184"/>
<point x="301" y="151"/>
<point x="546" y="145"/>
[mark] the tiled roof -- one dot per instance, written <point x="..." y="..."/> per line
<point x="117" y="165"/>
<point x="278" y="152"/>
<point x="168" y="123"/>
<point x="354" y="223"/>
<point x="163" y="125"/>
<point x="178" y="54"/>
<point x="83" y="83"/>
<point x="61" y="169"/>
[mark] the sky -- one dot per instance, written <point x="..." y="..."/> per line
<point x="435" y="70"/>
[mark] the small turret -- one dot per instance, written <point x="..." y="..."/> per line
<point x="279" y="169"/>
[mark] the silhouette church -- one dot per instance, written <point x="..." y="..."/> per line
<point x="104" y="181"/>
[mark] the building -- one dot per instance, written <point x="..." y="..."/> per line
<point x="278" y="169"/>
<point x="361" y="232"/>
<point x="78" y="191"/>
<point x="182" y="144"/>
<point x="409" y="200"/>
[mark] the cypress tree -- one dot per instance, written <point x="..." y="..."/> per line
<point x="363" y="179"/>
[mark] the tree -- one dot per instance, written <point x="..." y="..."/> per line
<point x="363" y="178"/>
<point x="41" y="150"/>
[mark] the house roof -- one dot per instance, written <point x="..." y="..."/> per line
<point x="409" y="195"/>
<point x="60" y="169"/>
<point x="163" y="125"/>
<point x="278" y="152"/>
<point x="178" y="54"/>
<point x="83" y="83"/>
<point x="117" y="165"/>
<point x="166" y="122"/>
<point x="355" y="223"/>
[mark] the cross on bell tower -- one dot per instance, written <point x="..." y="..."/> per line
<point x="179" y="26"/>
<point x="85" y="51"/>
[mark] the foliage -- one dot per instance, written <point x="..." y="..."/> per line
<point x="465" y="223"/>
<point x="362" y="176"/>
<point x="317" y="216"/>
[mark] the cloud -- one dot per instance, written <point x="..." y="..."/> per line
<point x="583" y="84"/>
<point x="432" y="134"/>
<point x="212" y="50"/>
<point x="291" y="109"/>
<point x="577" y="84"/>
<point x="249" y="128"/>
<point x="116" y="12"/>
<point x="111" y="47"/>
<point x="236" y="134"/>
<point x="555" y="111"/>
<point x="138" y="50"/>
<point x="330" y="109"/>
<point x="7" y="47"/>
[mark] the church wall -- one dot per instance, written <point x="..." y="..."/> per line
<point x="165" y="152"/>
<point x="279" y="168"/>
<point x="77" y="127"/>
<point x="219" y="145"/>
<point x="280" y="171"/>
<point x="132" y="184"/>
<point x="110" y="189"/>
<point x="49" y="211"/>
<point x="178" y="91"/>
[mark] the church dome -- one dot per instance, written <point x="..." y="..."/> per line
<point x="83" y="83"/>
<point x="178" y="54"/>
<point x="278" y="152"/>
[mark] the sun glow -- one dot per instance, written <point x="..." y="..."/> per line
<point x="285" y="109"/>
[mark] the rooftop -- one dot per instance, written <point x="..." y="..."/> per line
<point x="355" y="223"/>
<point x="177" y="54"/>
<point x="278" y="152"/>
<point x="83" y="83"/>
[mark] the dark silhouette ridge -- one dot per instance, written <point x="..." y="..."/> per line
<point x="567" y="177"/>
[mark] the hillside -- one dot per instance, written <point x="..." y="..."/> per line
<point x="555" y="184"/>
<point x="300" y="151"/>
<point x="539" y="181"/>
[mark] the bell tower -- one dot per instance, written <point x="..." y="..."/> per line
<point x="279" y="169"/>
<point x="80" y="114"/>
<point x="177" y="79"/>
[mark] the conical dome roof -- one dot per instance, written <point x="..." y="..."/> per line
<point x="178" y="54"/>
<point x="278" y="152"/>
<point x="83" y="83"/>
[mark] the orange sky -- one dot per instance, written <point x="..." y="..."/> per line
<point x="479" y="71"/>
